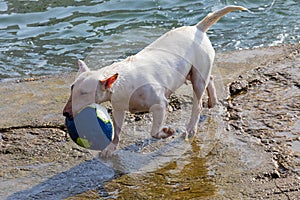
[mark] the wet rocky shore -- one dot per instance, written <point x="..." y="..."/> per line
<point x="246" y="148"/>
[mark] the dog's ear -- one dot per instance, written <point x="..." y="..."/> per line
<point x="109" y="81"/>
<point x="82" y="67"/>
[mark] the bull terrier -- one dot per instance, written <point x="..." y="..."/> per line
<point x="143" y="82"/>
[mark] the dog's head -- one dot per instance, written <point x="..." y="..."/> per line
<point x="89" y="87"/>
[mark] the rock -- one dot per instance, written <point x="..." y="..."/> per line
<point x="238" y="87"/>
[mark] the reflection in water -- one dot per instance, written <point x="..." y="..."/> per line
<point x="179" y="179"/>
<point x="185" y="178"/>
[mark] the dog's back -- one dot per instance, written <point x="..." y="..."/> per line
<point x="168" y="60"/>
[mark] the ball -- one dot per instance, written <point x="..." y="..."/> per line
<point x="91" y="128"/>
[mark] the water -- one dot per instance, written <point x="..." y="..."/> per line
<point x="47" y="37"/>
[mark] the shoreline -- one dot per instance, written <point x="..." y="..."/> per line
<point x="218" y="53"/>
<point x="256" y="156"/>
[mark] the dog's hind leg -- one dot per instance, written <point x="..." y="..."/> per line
<point x="211" y="92"/>
<point x="199" y="88"/>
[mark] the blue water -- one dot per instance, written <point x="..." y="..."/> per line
<point x="41" y="37"/>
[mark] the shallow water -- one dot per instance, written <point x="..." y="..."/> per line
<point x="47" y="37"/>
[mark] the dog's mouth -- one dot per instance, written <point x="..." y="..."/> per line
<point x="68" y="115"/>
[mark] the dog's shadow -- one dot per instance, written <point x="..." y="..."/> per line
<point x="92" y="174"/>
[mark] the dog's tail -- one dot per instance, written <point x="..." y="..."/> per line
<point x="212" y="18"/>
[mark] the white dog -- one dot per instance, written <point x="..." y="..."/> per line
<point x="143" y="82"/>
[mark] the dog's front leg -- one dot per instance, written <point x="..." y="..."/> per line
<point x="158" y="113"/>
<point x="118" y="119"/>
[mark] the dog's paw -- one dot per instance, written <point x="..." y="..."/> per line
<point x="108" y="151"/>
<point x="164" y="133"/>
<point x="212" y="103"/>
<point x="187" y="135"/>
<point x="190" y="132"/>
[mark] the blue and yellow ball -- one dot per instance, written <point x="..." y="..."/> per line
<point x="91" y="128"/>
